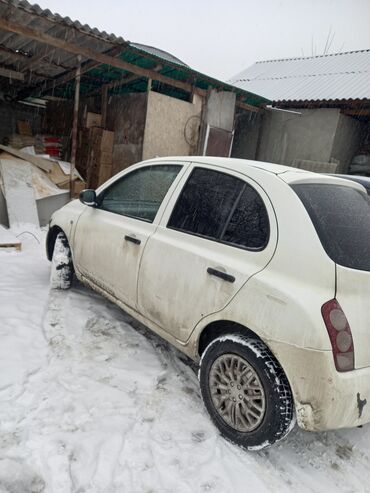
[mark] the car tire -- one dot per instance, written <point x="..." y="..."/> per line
<point x="61" y="264"/>
<point x="246" y="392"/>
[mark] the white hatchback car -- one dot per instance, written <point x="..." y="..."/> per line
<point x="259" y="271"/>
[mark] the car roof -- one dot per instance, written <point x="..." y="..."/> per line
<point x="364" y="180"/>
<point x="288" y="174"/>
<point x="234" y="164"/>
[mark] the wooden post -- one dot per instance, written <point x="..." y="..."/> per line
<point x="104" y="105"/>
<point x="75" y="127"/>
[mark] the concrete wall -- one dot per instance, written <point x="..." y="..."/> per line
<point x="10" y="113"/>
<point x="172" y="126"/>
<point x="287" y="136"/>
<point x="247" y="131"/>
<point x="126" y="115"/>
<point x="347" y="141"/>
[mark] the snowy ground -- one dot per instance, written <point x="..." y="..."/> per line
<point x="88" y="403"/>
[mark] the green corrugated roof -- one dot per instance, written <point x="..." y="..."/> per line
<point x="150" y="58"/>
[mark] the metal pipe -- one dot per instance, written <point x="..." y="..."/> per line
<point x="274" y="108"/>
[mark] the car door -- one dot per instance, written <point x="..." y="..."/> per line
<point x="216" y="233"/>
<point x="110" y="238"/>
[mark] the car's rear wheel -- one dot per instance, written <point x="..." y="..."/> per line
<point x="246" y="392"/>
<point x="61" y="264"/>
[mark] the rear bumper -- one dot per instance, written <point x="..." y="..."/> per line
<point x="324" y="398"/>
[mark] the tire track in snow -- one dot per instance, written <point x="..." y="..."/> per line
<point x="112" y="408"/>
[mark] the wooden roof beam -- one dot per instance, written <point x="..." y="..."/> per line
<point x="11" y="74"/>
<point x="34" y="60"/>
<point x="356" y="112"/>
<point x="65" y="77"/>
<point x="13" y="55"/>
<point x="248" y="107"/>
<point x="102" y="58"/>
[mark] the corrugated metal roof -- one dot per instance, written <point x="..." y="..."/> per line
<point x="49" y="69"/>
<point x="85" y="28"/>
<point x="164" y="55"/>
<point x="336" y="77"/>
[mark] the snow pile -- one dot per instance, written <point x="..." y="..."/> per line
<point x="90" y="404"/>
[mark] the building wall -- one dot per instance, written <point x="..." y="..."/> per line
<point x="172" y="126"/>
<point x="287" y="136"/>
<point x="126" y="115"/>
<point x="347" y="141"/>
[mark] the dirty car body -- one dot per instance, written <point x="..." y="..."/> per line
<point x="271" y="267"/>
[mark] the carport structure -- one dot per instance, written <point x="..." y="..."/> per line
<point x="46" y="58"/>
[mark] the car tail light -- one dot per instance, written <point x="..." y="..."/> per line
<point x="340" y="335"/>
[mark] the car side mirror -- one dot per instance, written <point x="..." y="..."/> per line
<point x="88" y="197"/>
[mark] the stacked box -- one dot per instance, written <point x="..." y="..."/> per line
<point x="95" y="155"/>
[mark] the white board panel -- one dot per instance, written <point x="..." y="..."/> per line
<point x="18" y="192"/>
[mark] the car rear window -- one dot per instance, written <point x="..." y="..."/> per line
<point x="341" y="216"/>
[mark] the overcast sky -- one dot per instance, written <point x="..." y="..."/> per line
<point x="222" y="38"/>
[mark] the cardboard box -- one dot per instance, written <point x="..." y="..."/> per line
<point x="24" y="127"/>
<point x="78" y="186"/>
<point x="105" y="158"/>
<point x="92" y="120"/>
<point x="107" y="140"/>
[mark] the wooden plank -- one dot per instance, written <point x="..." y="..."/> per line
<point x="76" y="49"/>
<point x="67" y="76"/>
<point x="40" y="162"/>
<point x="18" y="192"/>
<point x="8" y="240"/>
<point x="75" y="125"/>
<point x="112" y="85"/>
<point x="11" y="74"/>
<point x="357" y="112"/>
<point x="34" y="60"/>
<point x="247" y="107"/>
<point x="104" y="105"/>
<point x="58" y="177"/>
<point x="17" y="246"/>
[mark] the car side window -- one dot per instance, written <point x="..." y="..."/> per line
<point x="221" y="207"/>
<point x="205" y="203"/>
<point x="249" y="224"/>
<point x="140" y="193"/>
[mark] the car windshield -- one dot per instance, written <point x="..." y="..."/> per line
<point x="341" y="216"/>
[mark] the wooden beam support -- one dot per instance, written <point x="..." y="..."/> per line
<point x="75" y="127"/>
<point x="104" y="105"/>
<point x="64" y="78"/>
<point x="112" y="85"/>
<point x="44" y="164"/>
<point x="11" y="74"/>
<point x="102" y="58"/>
<point x="15" y="57"/>
<point x="248" y="107"/>
<point x="357" y="112"/>
<point x="32" y="61"/>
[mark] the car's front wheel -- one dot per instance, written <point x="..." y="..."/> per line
<point x="61" y="264"/>
<point x="246" y="392"/>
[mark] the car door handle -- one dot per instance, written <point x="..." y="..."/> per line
<point x="132" y="239"/>
<point x="222" y="275"/>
